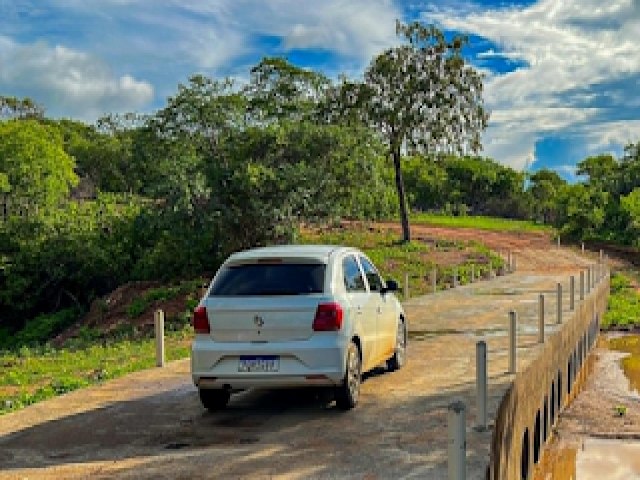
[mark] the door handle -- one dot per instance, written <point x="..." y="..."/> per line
<point x="359" y="310"/>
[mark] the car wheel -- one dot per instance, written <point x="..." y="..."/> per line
<point x="399" y="357"/>
<point x="347" y="394"/>
<point x="214" y="399"/>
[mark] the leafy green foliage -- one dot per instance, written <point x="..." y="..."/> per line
<point x="142" y="304"/>
<point x="464" y="185"/>
<point x="624" y="303"/>
<point x="420" y="94"/>
<point x="40" y="329"/>
<point x="36" y="170"/>
<point x="67" y="257"/>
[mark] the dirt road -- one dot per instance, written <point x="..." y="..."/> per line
<point x="150" y="424"/>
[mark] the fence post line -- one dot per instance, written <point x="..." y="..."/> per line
<point x="406" y="285"/>
<point x="582" y="248"/>
<point x="559" y="303"/>
<point x="473" y="273"/>
<point x="434" y="279"/>
<point x="158" y="321"/>
<point x="588" y="280"/>
<point x="513" y="319"/>
<point x="541" y="318"/>
<point x="558" y="240"/>
<point x="457" y="451"/>
<point x="581" y="285"/>
<point x="481" y="385"/>
<point x="572" y="293"/>
<point x="601" y="255"/>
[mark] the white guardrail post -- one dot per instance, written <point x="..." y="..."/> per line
<point x="158" y="320"/>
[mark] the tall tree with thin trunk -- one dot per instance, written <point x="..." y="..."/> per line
<point x="422" y="97"/>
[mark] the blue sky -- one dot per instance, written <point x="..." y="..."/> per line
<point x="562" y="77"/>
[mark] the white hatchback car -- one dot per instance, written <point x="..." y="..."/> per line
<point x="295" y="315"/>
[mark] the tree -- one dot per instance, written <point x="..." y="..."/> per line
<point x="421" y="96"/>
<point x="35" y="168"/>
<point x="630" y="206"/>
<point x="20" y="108"/>
<point x="280" y="90"/>
<point x="546" y="186"/>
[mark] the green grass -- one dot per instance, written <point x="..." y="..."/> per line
<point x="479" y="222"/>
<point x="29" y="375"/>
<point x="624" y="302"/>
<point x="417" y="258"/>
<point x="32" y="370"/>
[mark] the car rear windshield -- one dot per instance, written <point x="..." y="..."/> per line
<point x="269" y="279"/>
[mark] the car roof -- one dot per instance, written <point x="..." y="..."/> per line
<point x="319" y="253"/>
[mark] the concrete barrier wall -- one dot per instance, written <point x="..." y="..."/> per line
<point x="530" y="407"/>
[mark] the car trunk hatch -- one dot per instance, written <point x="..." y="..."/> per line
<point x="262" y="319"/>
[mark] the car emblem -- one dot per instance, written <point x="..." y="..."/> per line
<point x="258" y="321"/>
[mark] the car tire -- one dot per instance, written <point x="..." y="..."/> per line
<point x="348" y="393"/>
<point x="214" y="399"/>
<point x="399" y="358"/>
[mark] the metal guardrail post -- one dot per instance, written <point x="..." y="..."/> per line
<point x="457" y="451"/>
<point x="559" y="303"/>
<point x="481" y="385"/>
<point x="406" y="286"/>
<point x="572" y="293"/>
<point x="513" y="320"/>
<point x="434" y="280"/>
<point x="541" y="318"/>
<point x="158" y="320"/>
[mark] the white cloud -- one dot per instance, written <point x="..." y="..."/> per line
<point x="67" y="81"/>
<point x="614" y="133"/>
<point x="567" y="46"/>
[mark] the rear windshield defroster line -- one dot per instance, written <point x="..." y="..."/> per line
<point x="269" y="279"/>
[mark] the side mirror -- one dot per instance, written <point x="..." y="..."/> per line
<point x="392" y="286"/>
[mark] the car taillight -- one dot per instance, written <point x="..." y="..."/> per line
<point x="200" y="321"/>
<point x="328" y="317"/>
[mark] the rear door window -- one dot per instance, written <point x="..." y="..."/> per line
<point x="375" y="282"/>
<point x="269" y="279"/>
<point x="353" y="281"/>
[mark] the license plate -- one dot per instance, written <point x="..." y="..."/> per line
<point x="262" y="363"/>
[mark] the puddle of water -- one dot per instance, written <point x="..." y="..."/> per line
<point x="597" y="460"/>
<point x="631" y="364"/>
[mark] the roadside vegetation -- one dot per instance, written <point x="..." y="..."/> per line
<point x="417" y="259"/>
<point x="32" y="374"/>
<point x="624" y="303"/>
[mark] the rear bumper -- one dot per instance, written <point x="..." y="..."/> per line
<point x="319" y="361"/>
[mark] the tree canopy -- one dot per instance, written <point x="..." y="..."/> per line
<point x="421" y="96"/>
